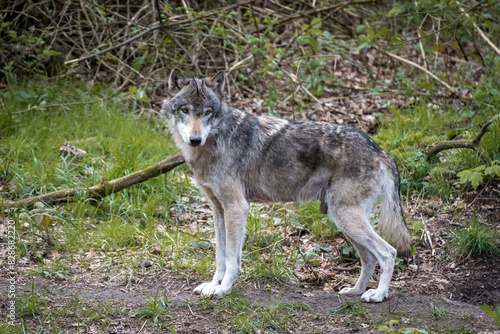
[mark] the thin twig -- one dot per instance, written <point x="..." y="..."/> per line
<point x="63" y="105"/>
<point x="238" y="64"/>
<point x="144" y="324"/>
<point x="153" y="28"/>
<point x="422" y="51"/>
<point x="179" y="44"/>
<point x="261" y="249"/>
<point x="481" y="33"/>
<point x="317" y="11"/>
<point x="130" y="40"/>
<point x="293" y="93"/>
<point x="195" y="315"/>
<point x="409" y="62"/>
<point x="294" y="80"/>
<point x="470" y="204"/>
<point x="346" y="269"/>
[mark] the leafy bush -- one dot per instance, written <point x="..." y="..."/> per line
<point x="480" y="174"/>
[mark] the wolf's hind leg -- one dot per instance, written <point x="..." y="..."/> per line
<point x="386" y="255"/>
<point x="354" y="223"/>
<point x="368" y="263"/>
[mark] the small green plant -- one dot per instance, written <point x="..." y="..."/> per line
<point x="349" y="307"/>
<point x="30" y="304"/>
<point x="6" y="328"/>
<point x="475" y="240"/>
<point x="494" y="313"/>
<point x="439" y="313"/>
<point x="298" y="307"/>
<point x="480" y="174"/>
<point x="390" y="328"/>
<point x="156" y="308"/>
<point x="255" y="318"/>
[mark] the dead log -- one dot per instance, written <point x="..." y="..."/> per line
<point x="471" y="143"/>
<point x="103" y="189"/>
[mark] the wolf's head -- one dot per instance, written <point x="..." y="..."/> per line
<point x="193" y="106"/>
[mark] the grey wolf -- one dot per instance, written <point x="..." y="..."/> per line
<point x="238" y="158"/>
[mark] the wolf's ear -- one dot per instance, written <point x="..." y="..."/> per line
<point x="217" y="83"/>
<point x="176" y="81"/>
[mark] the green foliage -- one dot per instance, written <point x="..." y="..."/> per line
<point x="480" y="174"/>
<point x="33" y="55"/>
<point x="440" y="314"/>
<point x="30" y="303"/>
<point x="85" y="312"/>
<point x="155" y="308"/>
<point x="475" y="240"/>
<point x="411" y="131"/>
<point x="350" y="307"/>
<point x="139" y="94"/>
<point x="495" y="314"/>
<point x="118" y="143"/>
<point x="390" y="328"/>
<point x="256" y="318"/>
<point x="6" y="328"/>
<point x="405" y="137"/>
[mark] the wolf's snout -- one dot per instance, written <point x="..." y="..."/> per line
<point x="195" y="140"/>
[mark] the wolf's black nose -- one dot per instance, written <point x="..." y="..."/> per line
<point x="195" y="141"/>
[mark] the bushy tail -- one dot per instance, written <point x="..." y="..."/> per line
<point x="392" y="226"/>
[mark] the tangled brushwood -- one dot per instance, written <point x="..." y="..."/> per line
<point x="299" y="53"/>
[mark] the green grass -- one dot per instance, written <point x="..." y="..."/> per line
<point x="475" y="240"/>
<point x="117" y="143"/>
<point x="30" y="304"/>
<point x="412" y="131"/>
<point x="350" y="307"/>
<point x="256" y="318"/>
<point x="5" y="328"/>
<point x="156" y="308"/>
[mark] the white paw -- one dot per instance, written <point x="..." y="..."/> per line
<point x="374" y="296"/>
<point x="218" y="291"/>
<point x="350" y="291"/>
<point x="199" y="289"/>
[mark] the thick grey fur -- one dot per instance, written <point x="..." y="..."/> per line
<point x="237" y="158"/>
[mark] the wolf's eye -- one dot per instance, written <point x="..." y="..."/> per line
<point x="208" y="111"/>
<point x="185" y="110"/>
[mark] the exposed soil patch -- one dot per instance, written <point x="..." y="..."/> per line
<point x="325" y="312"/>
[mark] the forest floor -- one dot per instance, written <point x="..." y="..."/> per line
<point x="439" y="295"/>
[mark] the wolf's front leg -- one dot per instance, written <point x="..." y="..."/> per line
<point x="220" y="246"/>
<point x="235" y="215"/>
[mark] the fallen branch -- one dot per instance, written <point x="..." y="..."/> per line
<point x="471" y="143"/>
<point x="100" y="190"/>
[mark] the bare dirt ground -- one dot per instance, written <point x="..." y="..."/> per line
<point x="433" y="301"/>
<point x="435" y="292"/>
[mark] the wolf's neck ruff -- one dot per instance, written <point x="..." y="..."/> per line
<point x="237" y="158"/>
